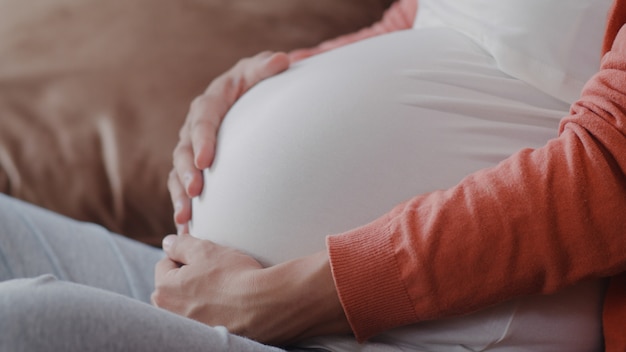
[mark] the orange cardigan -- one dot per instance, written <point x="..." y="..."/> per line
<point x="539" y="221"/>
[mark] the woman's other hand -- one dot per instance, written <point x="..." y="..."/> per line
<point x="220" y="286"/>
<point x="196" y="147"/>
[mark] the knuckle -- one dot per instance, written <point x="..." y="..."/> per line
<point x="175" y="154"/>
<point x="243" y="62"/>
<point x="204" y="127"/>
<point x="218" y="83"/>
<point x="160" y="299"/>
<point x="198" y="102"/>
<point x="173" y="175"/>
<point x="172" y="180"/>
<point x="157" y="298"/>
<point x="178" y="154"/>
<point x="183" y="131"/>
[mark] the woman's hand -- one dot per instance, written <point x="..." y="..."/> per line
<point x="196" y="148"/>
<point x="205" y="282"/>
<point x="221" y="286"/>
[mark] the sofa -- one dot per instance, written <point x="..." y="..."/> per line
<point x="92" y="93"/>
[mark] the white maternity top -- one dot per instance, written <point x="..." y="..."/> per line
<point x="340" y="138"/>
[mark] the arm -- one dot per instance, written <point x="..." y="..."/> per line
<point x="539" y="221"/>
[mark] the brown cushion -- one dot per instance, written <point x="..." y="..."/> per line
<point x="92" y="92"/>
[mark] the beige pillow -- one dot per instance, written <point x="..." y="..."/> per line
<point x="92" y="93"/>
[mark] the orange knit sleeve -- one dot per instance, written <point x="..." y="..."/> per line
<point x="616" y="18"/>
<point x="399" y="16"/>
<point x="537" y="222"/>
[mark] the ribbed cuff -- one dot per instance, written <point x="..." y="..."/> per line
<point x="367" y="277"/>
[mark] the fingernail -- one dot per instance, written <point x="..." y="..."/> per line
<point x="180" y="229"/>
<point x="178" y="205"/>
<point x="168" y="241"/>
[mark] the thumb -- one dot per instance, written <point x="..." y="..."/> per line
<point x="178" y="247"/>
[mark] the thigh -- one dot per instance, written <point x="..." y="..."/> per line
<point x="34" y="241"/>
<point x="44" y="314"/>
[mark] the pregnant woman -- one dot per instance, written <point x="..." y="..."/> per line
<point x="328" y="147"/>
<point x="340" y="138"/>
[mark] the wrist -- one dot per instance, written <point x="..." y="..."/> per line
<point x="300" y="300"/>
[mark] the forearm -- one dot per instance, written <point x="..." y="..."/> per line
<point x="298" y="299"/>
<point x="541" y="220"/>
<point x="399" y="16"/>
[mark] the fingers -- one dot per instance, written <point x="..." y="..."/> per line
<point x="189" y="177"/>
<point x="182" y="248"/>
<point x="163" y="268"/>
<point x="182" y="229"/>
<point x="205" y="116"/>
<point x="261" y="67"/>
<point x="208" y="110"/>
<point x="180" y="200"/>
<point x="196" y="148"/>
<point x="185" y="180"/>
<point x="276" y="64"/>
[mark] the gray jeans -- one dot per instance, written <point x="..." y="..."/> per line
<point x="72" y="286"/>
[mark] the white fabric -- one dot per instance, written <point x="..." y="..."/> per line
<point x="340" y="138"/>
<point x="554" y="45"/>
<point x="343" y="137"/>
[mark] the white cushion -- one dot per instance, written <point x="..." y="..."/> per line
<point x="554" y="45"/>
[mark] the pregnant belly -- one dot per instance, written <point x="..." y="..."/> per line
<point x="339" y="139"/>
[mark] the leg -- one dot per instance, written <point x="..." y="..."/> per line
<point x="45" y="314"/>
<point x="34" y="242"/>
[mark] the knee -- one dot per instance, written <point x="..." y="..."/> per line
<point x="22" y="297"/>
<point x="20" y="304"/>
<point x="16" y="290"/>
